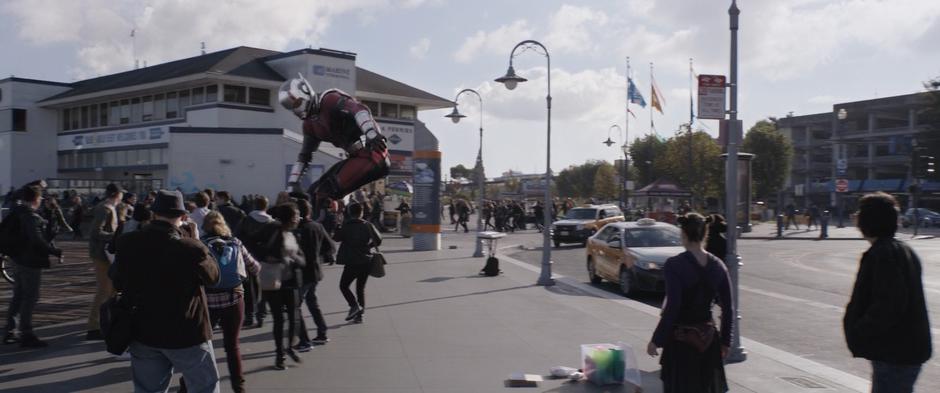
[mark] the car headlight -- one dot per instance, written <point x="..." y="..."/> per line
<point x="579" y="227"/>
<point x="650" y="265"/>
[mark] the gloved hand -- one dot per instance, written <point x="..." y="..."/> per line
<point x="379" y="143"/>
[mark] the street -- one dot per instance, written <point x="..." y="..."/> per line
<point x="792" y="293"/>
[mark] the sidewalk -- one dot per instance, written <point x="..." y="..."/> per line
<point x="432" y="325"/>
<point x="768" y="231"/>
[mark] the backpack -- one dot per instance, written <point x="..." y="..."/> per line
<point x="227" y="255"/>
<point x="12" y="238"/>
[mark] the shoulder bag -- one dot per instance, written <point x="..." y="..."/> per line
<point x="116" y="319"/>
<point x="377" y="269"/>
<point x="698" y="335"/>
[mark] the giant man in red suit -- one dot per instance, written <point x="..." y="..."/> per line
<point x="335" y="117"/>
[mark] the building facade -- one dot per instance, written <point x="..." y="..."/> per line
<point x="859" y="147"/>
<point x="210" y="121"/>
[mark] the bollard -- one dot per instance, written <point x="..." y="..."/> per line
<point x="824" y="225"/>
<point x="780" y="225"/>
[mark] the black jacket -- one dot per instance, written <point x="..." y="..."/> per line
<point x="164" y="274"/>
<point x="886" y="318"/>
<point x="357" y="238"/>
<point x="233" y="216"/>
<point x="317" y="247"/>
<point x="36" y="250"/>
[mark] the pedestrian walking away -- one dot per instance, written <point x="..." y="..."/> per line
<point x="357" y="238"/>
<point x="886" y="319"/>
<point x="160" y="270"/>
<point x="226" y="298"/>
<point x="280" y="284"/>
<point x="103" y="226"/>
<point x="317" y="247"/>
<point x="692" y="348"/>
<point x="248" y="232"/>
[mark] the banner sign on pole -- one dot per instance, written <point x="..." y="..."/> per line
<point x="711" y="97"/>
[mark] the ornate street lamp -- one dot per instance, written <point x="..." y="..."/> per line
<point x="455" y="116"/>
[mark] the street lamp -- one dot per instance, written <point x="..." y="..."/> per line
<point x="609" y="141"/>
<point x="838" y="152"/>
<point x="511" y="80"/>
<point x="455" y="116"/>
<point x="626" y="174"/>
<point x="623" y="167"/>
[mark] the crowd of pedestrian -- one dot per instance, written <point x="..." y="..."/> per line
<point x="193" y="265"/>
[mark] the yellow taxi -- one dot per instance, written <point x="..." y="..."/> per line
<point x="582" y="222"/>
<point x="632" y="254"/>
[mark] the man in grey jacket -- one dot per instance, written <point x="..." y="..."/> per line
<point x="103" y="225"/>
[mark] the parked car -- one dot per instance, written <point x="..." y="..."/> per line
<point x="632" y="254"/>
<point x="928" y="218"/>
<point x="582" y="222"/>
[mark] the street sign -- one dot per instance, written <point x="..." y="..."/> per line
<point x="842" y="167"/>
<point x="711" y="97"/>
<point x="842" y="185"/>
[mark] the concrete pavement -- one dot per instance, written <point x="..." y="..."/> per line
<point x="431" y="325"/>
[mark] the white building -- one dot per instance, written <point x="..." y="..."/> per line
<point x="210" y="121"/>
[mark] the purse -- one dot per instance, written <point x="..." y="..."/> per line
<point x="699" y="336"/>
<point x="271" y="276"/>
<point x="116" y="319"/>
<point x="377" y="269"/>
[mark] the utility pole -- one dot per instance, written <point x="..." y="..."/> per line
<point x="737" y="354"/>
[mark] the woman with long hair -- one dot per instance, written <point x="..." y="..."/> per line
<point x="692" y="347"/>
<point x="357" y="239"/>
<point x="226" y="304"/>
<point x="282" y="252"/>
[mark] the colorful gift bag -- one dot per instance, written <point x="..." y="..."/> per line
<point x="608" y="364"/>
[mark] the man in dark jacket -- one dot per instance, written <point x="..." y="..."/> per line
<point x="317" y="247"/>
<point x="33" y="256"/>
<point x="248" y="230"/>
<point x="163" y="274"/>
<point x="233" y="216"/>
<point x="103" y="226"/>
<point x="886" y="318"/>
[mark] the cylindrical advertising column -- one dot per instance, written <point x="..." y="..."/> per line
<point x="426" y="221"/>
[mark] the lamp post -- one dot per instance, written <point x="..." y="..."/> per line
<point x="455" y="116"/>
<point x="626" y="174"/>
<point x="623" y="172"/>
<point x="510" y="80"/>
<point x="737" y="354"/>
<point x="839" y="153"/>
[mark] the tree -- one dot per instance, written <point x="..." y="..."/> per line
<point x="773" y="155"/>
<point x="644" y="153"/>
<point x="707" y="177"/>
<point x="461" y="171"/>
<point x="578" y="180"/>
<point x="931" y="116"/>
<point x="605" y="182"/>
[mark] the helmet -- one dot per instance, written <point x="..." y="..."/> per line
<point x="297" y="95"/>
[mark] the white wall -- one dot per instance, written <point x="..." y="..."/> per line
<point x="28" y="155"/>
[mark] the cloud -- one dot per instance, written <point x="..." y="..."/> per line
<point x="170" y="29"/>
<point x="494" y="41"/>
<point x="571" y="29"/>
<point x="420" y="49"/>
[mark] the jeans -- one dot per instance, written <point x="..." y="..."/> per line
<point x="893" y="378"/>
<point x="104" y="291"/>
<point x="25" y="297"/>
<point x="282" y="301"/>
<point x="230" y="319"/>
<point x="359" y="273"/>
<point x="152" y="368"/>
<point x="308" y="294"/>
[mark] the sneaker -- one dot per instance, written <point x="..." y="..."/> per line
<point x="260" y="323"/>
<point x="279" y="364"/>
<point x="303" y="347"/>
<point x="10" y="338"/>
<point x="248" y="323"/>
<point x="353" y="313"/>
<point x="320" y="340"/>
<point x="93" y="335"/>
<point x="294" y="356"/>
<point x="358" y="319"/>
<point x="32" y="342"/>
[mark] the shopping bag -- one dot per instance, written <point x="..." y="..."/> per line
<point x="610" y="363"/>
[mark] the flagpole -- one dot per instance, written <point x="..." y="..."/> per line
<point x="692" y="178"/>
<point x="652" y="95"/>
<point x="627" y="121"/>
<point x="626" y="139"/>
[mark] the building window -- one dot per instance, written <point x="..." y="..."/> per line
<point x="373" y="107"/>
<point x="159" y="107"/>
<point x="66" y="120"/>
<point x="115" y="118"/>
<point x="172" y="105"/>
<point x="199" y="95"/>
<point x="103" y="115"/>
<point x="19" y="120"/>
<point x="147" y="114"/>
<point x="212" y="93"/>
<point x="125" y="111"/>
<point x="135" y="110"/>
<point x="184" y="99"/>
<point x="389" y="110"/>
<point x="407" y="112"/>
<point x="259" y="96"/>
<point x="84" y="123"/>
<point x="93" y="116"/>
<point x="233" y="93"/>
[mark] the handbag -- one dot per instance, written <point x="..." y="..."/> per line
<point x="116" y="319"/>
<point x="377" y="269"/>
<point x="271" y="276"/>
<point x="699" y="336"/>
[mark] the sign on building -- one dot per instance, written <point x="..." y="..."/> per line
<point x="711" y="97"/>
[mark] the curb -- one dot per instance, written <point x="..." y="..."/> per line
<point x="796" y="238"/>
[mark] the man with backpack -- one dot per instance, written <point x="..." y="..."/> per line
<point x="21" y="237"/>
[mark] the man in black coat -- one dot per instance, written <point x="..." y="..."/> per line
<point x="233" y="216"/>
<point x="886" y="318"/>
<point x="164" y="274"/>
<point x="31" y="258"/>
<point x="317" y="248"/>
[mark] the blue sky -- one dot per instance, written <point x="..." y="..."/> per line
<point x="795" y="55"/>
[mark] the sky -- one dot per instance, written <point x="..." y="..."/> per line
<point x="799" y="56"/>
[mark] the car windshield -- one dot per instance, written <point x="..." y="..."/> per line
<point x="652" y="237"/>
<point x="581" y="214"/>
